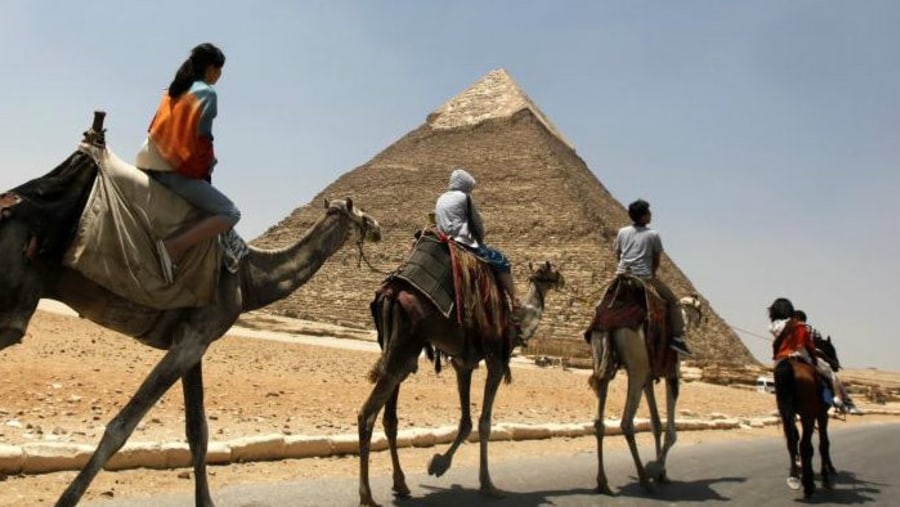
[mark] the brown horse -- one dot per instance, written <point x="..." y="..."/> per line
<point x="798" y="392"/>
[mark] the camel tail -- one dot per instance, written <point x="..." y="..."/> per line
<point x="507" y="374"/>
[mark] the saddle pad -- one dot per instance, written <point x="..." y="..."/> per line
<point x="114" y="244"/>
<point x="429" y="270"/>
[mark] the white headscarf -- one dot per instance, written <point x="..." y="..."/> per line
<point x="461" y="180"/>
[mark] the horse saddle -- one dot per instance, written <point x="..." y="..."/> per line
<point x="629" y="302"/>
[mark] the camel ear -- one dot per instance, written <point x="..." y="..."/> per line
<point x="327" y="203"/>
<point x="530" y="267"/>
<point x="547" y="265"/>
<point x="349" y="204"/>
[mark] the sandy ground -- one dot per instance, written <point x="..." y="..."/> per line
<point x="70" y="377"/>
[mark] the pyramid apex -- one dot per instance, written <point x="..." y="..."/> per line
<point x="495" y="95"/>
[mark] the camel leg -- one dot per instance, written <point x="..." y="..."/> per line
<point x="653" y="468"/>
<point x="600" y="384"/>
<point x="440" y="463"/>
<point x="170" y="368"/>
<point x="494" y="377"/>
<point x="635" y="388"/>
<point x="384" y="388"/>
<point x="671" y="434"/>
<point x="390" y="430"/>
<point x="197" y="432"/>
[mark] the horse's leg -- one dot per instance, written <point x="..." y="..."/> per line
<point x="389" y="420"/>
<point x="385" y="387"/>
<point x="494" y="377"/>
<point x="784" y="397"/>
<point x="825" y="450"/>
<point x="174" y="364"/>
<point x="197" y="431"/>
<point x="808" y="424"/>
<point x="600" y="383"/>
<point x="440" y="463"/>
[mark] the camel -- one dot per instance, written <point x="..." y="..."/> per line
<point x="264" y="276"/>
<point x="400" y="352"/>
<point x="631" y="353"/>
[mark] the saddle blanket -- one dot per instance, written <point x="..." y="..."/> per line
<point x="114" y="245"/>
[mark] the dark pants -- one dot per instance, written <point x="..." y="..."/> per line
<point x="673" y="308"/>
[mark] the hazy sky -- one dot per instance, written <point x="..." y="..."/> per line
<point x="766" y="134"/>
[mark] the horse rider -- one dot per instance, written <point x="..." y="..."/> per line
<point x="638" y="250"/>
<point x="841" y="398"/>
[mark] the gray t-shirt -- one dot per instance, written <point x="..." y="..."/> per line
<point x="636" y="246"/>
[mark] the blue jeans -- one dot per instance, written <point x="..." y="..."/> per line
<point x="200" y="193"/>
<point x="495" y="258"/>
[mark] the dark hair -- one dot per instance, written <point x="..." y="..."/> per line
<point x="800" y="315"/>
<point x="638" y="209"/>
<point x="782" y="308"/>
<point x="195" y="66"/>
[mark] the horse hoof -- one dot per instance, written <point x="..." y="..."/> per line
<point x="793" y="483"/>
<point x="401" y="491"/>
<point x="438" y="465"/>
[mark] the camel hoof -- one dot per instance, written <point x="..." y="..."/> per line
<point x="604" y="490"/>
<point x="492" y="492"/>
<point x="368" y="503"/>
<point x="793" y="483"/>
<point x="655" y="471"/>
<point x="438" y="465"/>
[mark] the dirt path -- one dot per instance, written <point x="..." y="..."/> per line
<point x="70" y="377"/>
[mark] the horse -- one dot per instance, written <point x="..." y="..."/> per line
<point x="798" y="393"/>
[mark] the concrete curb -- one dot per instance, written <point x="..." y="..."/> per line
<point x="45" y="457"/>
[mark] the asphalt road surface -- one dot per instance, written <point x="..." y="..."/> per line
<point x="740" y="473"/>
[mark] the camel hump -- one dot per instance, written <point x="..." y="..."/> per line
<point x="115" y="241"/>
<point x="628" y="302"/>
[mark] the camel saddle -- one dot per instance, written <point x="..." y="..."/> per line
<point x="452" y="278"/>
<point x="629" y="302"/>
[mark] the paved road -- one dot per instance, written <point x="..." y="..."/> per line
<point x="743" y="473"/>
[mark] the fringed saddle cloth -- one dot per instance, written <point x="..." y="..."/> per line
<point x="629" y="302"/>
<point x="114" y="245"/>
<point x="453" y="278"/>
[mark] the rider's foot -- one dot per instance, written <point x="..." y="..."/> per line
<point x="677" y="344"/>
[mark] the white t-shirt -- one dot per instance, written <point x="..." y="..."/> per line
<point x="636" y="246"/>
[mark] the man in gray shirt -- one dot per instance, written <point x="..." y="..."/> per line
<point x="638" y="249"/>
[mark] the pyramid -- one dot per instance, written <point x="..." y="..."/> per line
<point x="538" y="199"/>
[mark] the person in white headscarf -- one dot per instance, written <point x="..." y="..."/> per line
<point x="456" y="215"/>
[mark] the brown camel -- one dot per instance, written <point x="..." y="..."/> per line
<point x="264" y="276"/>
<point x="630" y="352"/>
<point x="400" y="352"/>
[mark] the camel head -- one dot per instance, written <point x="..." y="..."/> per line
<point x="365" y="228"/>
<point x="20" y="283"/>
<point x="546" y="276"/>
<point x="542" y="279"/>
